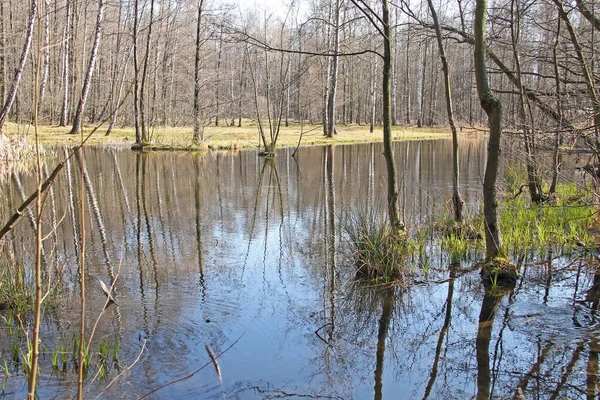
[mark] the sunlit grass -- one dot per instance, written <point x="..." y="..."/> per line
<point x="561" y="226"/>
<point x="232" y="137"/>
<point x="17" y="152"/>
<point x="379" y="252"/>
<point x="530" y="230"/>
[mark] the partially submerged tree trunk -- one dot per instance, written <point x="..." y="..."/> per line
<point x="456" y="198"/>
<point x="496" y="263"/>
<point x="12" y="93"/>
<point x="388" y="149"/>
<point x="87" y="82"/>
<point x="525" y="114"/>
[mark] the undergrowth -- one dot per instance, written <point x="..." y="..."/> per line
<point x="378" y="251"/>
<point x="528" y="230"/>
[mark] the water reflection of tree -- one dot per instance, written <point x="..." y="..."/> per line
<point x="272" y="196"/>
<point x="382" y="333"/>
<point x="489" y="306"/>
<point x="198" y="205"/>
<point x="443" y="331"/>
<point x="330" y="250"/>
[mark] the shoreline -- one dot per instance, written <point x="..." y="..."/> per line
<point x="229" y="137"/>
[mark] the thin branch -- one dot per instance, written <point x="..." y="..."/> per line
<point x="192" y="374"/>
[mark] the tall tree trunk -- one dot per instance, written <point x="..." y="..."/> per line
<point x="65" y="78"/>
<point x="533" y="178"/>
<point x="142" y="108"/>
<point x="3" y="64"/>
<point x="198" y="131"/>
<point x="77" y="122"/>
<point x="243" y="85"/>
<point x="372" y="95"/>
<point x="420" y="97"/>
<point x="493" y="108"/>
<point x="45" y="55"/>
<point x="556" y="159"/>
<point x="12" y="93"/>
<point x="326" y="85"/>
<point x="117" y="96"/>
<point x="218" y="83"/>
<point x="407" y="76"/>
<point x="394" y="72"/>
<point x="334" y="71"/>
<point x="388" y="148"/>
<point x="456" y="198"/>
<point x="139" y="139"/>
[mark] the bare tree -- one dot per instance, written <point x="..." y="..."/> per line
<point x="494" y="250"/>
<point x="142" y="108"/>
<point x="198" y="129"/>
<point x="12" y="93"/>
<point x="77" y="122"/>
<point x="64" y="110"/>
<point x="456" y="198"/>
<point x="382" y="25"/>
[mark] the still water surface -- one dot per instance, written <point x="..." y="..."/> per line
<point x="221" y="248"/>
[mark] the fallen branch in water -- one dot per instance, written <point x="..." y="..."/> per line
<point x="193" y="373"/>
<point x="214" y="360"/>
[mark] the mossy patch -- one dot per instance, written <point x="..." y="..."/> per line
<point x="499" y="271"/>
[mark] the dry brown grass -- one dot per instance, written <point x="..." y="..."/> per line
<point x="225" y="137"/>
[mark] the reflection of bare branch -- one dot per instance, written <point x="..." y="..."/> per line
<point x="321" y="337"/>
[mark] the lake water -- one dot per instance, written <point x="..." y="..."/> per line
<point x="228" y="248"/>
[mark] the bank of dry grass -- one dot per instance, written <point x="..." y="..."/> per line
<point x="232" y="137"/>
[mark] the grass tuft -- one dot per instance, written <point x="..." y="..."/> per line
<point x="379" y="252"/>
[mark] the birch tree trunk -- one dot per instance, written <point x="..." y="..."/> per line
<point x="64" y="110"/>
<point x="3" y="64"/>
<point x="142" y="108"/>
<point x="334" y="71"/>
<point x="12" y="93"/>
<point x="77" y="121"/>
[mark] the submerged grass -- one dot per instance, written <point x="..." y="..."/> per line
<point x="529" y="230"/>
<point x="99" y="360"/>
<point x="562" y="226"/>
<point x="17" y="283"/>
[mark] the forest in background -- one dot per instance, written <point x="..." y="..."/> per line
<point x="157" y="61"/>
